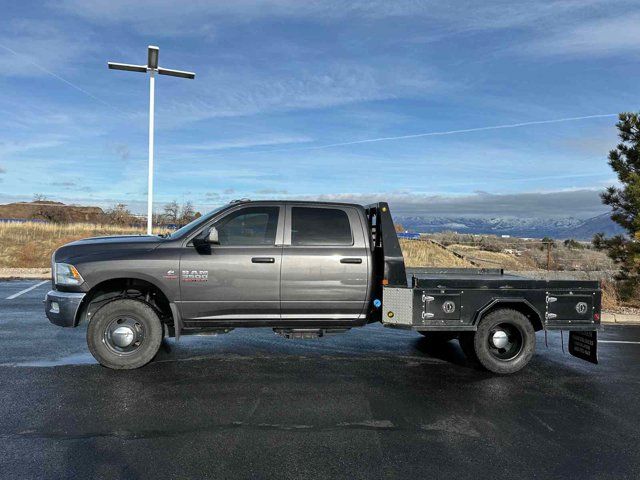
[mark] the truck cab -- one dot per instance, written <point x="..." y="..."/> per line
<point x="276" y="263"/>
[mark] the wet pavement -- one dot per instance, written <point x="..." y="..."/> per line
<point x="371" y="403"/>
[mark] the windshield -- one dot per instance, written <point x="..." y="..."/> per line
<point x="195" y="223"/>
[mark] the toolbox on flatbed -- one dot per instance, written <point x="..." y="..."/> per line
<point x="455" y="299"/>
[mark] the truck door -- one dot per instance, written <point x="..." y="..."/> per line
<point x="239" y="279"/>
<point x="324" y="264"/>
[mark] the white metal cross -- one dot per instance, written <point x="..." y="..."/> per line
<point x="153" y="68"/>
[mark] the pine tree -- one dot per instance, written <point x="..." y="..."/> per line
<point x="625" y="204"/>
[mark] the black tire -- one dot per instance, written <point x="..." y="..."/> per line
<point x="146" y="333"/>
<point x="505" y="341"/>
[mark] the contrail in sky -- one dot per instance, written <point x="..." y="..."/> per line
<point x="448" y="132"/>
<point x="72" y="85"/>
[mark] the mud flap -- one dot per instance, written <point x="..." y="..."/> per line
<point x="177" y="320"/>
<point x="584" y="345"/>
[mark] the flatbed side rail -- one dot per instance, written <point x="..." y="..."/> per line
<point x="454" y="271"/>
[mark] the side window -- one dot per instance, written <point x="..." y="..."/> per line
<point x="249" y="226"/>
<point x="320" y="226"/>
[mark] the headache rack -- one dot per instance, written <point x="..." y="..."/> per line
<point x="389" y="268"/>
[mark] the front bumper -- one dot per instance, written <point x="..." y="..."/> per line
<point x="61" y="308"/>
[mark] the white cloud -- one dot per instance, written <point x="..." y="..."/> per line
<point x="577" y="203"/>
<point x="10" y="147"/>
<point x="168" y="13"/>
<point x="592" y="38"/>
<point x="240" y="91"/>
<point x="272" y="191"/>
<point x="199" y="17"/>
<point x="503" y="14"/>
<point x="171" y="18"/>
<point x="554" y="27"/>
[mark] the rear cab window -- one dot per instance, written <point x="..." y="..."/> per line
<point x="318" y="226"/>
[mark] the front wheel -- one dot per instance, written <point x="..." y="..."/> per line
<point x="124" y="334"/>
<point x="505" y="341"/>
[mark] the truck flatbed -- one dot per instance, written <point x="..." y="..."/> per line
<point x="455" y="299"/>
<point x="450" y="300"/>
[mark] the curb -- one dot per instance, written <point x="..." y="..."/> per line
<point x="25" y="273"/>
<point x="620" y="318"/>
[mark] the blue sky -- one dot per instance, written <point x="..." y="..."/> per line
<point x="280" y="83"/>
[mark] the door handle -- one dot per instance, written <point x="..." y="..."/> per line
<point x="263" y="260"/>
<point x="350" y="260"/>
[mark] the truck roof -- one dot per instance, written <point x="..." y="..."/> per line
<point x="304" y="202"/>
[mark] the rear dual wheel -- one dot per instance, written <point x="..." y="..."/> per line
<point x="124" y="334"/>
<point x="504" y="342"/>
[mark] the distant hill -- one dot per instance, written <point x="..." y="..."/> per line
<point x="51" y="211"/>
<point x="601" y="223"/>
<point x="560" y="228"/>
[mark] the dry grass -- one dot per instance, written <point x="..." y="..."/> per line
<point x="426" y="254"/>
<point x="487" y="259"/>
<point x="31" y="244"/>
<point x="533" y="254"/>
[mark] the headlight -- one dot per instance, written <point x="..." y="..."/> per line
<point x="67" y="275"/>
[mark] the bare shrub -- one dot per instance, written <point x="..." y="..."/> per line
<point x="120" y="215"/>
<point x="610" y="296"/>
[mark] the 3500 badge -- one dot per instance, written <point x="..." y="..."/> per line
<point x="195" y="275"/>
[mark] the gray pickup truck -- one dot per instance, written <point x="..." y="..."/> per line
<point x="305" y="269"/>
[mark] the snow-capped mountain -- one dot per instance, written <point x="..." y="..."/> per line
<point x="563" y="227"/>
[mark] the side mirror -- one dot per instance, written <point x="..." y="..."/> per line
<point x="213" y="236"/>
<point x="206" y="238"/>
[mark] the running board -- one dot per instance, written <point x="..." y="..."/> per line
<point x="307" y="333"/>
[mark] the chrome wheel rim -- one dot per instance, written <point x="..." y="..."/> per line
<point x="124" y="335"/>
<point x="505" y="341"/>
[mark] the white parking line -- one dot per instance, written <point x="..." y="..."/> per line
<point x="618" y="341"/>
<point x="33" y="287"/>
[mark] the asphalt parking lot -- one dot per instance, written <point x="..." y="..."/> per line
<point x="371" y="403"/>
